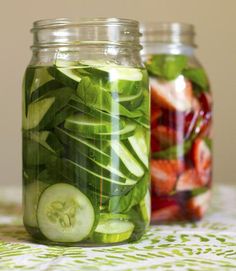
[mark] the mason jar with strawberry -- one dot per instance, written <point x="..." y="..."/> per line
<point x="181" y="123"/>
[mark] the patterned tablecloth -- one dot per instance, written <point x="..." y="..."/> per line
<point x="207" y="245"/>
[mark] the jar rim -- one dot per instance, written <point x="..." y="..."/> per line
<point x="167" y="32"/>
<point x="167" y="26"/>
<point x="100" y="21"/>
<point x="100" y="31"/>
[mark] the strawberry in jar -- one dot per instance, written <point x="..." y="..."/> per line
<point x="181" y="123"/>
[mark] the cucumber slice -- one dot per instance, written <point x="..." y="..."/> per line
<point x="43" y="111"/>
<point x="41" y="77"/>
<point x="36" y="113"/>
<point x="68" y="76"/>
<point x="131" y="164"/>
<point x="138" y="146"/>
<point x="130" y="102"/>
<point x="84" y="178"/>
<point x="76" y="156"/>
<point x="124" y="133"/>
<point x="85" y="146"/>
<point x="45" y="88"/>
<point x="31" y="196"/>
<point x="40" y="147"/>
<point x="48" y="140"/>
<point x="81" y="123"/>
<point x="143" y="121"/>
<point x="65" y="214"/>
<point x="116" y="72"/>
<point x="74" y="103"/>
<point x="35" y="154"/>
<point x="145" y="207"/>
<point x="129" y="98"/>
<point x="61" y="116"/>
<point x="113" y="230"/>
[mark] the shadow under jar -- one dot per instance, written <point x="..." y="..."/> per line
<point x="86" y="133"/>
<point x="181" y="123"/>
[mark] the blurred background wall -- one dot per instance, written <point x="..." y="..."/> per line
<point x="215" y="22"/>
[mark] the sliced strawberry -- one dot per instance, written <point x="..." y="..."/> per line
<point x="155" y="145"/>
<point x="205" y="100"/>
<point x="192" y="118"/>
<point x="155" y="115"/>
<point x="178" y="165"/>
<point x="197" y="206"/>
<point x="188" y="180"/>
<point x="167" y="214"/>
<point x="167" y="136"/>
<point x="202" y="158"/>
<point x="163" y="176"/>
<point x="173" y="95"/>
<point x="159" y="202"/>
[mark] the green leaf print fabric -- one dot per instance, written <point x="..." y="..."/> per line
<point x="207" y="245"/>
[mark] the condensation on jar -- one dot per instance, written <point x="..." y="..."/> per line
<point x="85" y="133"/>
<point x="181" y="123"/>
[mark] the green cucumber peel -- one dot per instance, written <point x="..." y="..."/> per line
<point x="40" y="148"/>
<point x="85" y="146"/>
<point x="28" y="81"/>
<point x="76" y="103"/>
<point x="45" y="89"/>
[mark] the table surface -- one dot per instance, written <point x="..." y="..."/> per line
<point x="207" y="245"/>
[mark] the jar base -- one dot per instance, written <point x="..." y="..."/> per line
<point x="38" y="237"/>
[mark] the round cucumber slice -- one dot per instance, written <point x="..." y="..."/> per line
<point x="31" y="196"/>
<point x="65" y="214"/>
<point x="113" y="230"/>
<point x="82" y="123"/>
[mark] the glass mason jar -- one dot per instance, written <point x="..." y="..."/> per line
<point x="86" y="133"/>
<point x="181" y="123"/>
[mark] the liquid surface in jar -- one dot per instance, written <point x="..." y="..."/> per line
<point x="181" y="138"/>
<point x="86" y="153"/>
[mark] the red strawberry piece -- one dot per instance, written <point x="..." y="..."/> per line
<point x="178" y="165"/>
<point x="155" y="145"/>
<point x="155" y="114"/>
<point x="191" y="118"/>
<point x="203" y="126"/>
<point x="202" y="158"/>
<point x="188" y="180"/>
<point x="159" y="202"/>
<point x="197" y="206"/>
<point x="167" y="136"/>
<point x="173" y="95"/>
<point x="167" y="214"/>
<point x="163" y="176"/>
<point x="205" y="100"/>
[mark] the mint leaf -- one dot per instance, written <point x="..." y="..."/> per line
<point x="124" y="203"/>
<point x="197" y="76"/>
<point x="174" y="152"/>
<point x="167" y="66"/>
<point x="95" y="95"/>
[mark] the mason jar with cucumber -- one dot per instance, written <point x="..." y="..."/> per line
<point x="85" y="133"/>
